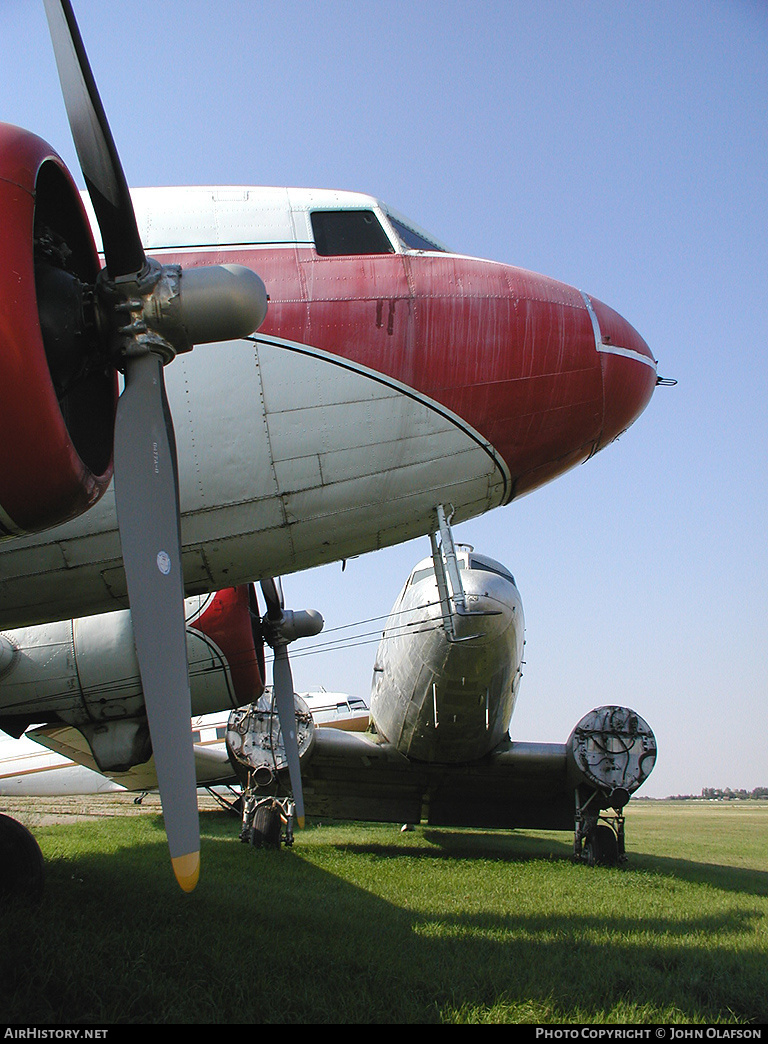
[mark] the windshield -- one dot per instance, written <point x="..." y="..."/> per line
<point x="411" y="239"/>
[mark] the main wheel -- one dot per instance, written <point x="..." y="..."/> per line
<point x="601" y="847"/>
<point x="21" y="861"/>
<point x="266" y="826"/>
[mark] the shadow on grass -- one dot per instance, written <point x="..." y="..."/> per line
<point x="745" y="881"/>
<point x="271" y="937"/>
<point x="486" y="844"/>
<point x="522" y="846"/>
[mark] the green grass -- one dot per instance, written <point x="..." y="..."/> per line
<point x="359" y="923"/>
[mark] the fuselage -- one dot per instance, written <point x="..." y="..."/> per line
<point x="443" y="697"/>
<point x="389" y="376"/>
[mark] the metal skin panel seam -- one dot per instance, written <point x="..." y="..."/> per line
<point x="243" y="540"/>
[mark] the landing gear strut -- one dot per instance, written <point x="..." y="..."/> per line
<point x="599" y="836"/>
<point x="267" y="822"/>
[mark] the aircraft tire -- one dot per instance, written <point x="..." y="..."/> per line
<point x="266" y="826"/>
<point x="21" y="861"/>
<point x="601" y="847"/>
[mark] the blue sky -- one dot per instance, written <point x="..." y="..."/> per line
<point x="620" y="147"/>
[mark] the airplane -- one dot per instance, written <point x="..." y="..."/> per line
<point x="73" y="676"/>
<point x="358" y="375"/>
<point x="445" y="683"/>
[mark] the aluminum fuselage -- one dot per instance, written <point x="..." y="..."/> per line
<point x="442" y="698"/>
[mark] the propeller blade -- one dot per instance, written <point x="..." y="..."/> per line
<point x="281" y="630"/>
<point x="99" y="161"/>
<point x="145" y="319"/>
<point x="282" y="680"/>
<point x="272" y="589"/>
<point x="147" y="498"/>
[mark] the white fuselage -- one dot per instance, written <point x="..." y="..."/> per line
<point x="29" y="768"/>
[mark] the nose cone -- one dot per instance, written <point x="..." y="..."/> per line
<point x="628" y="369"/>
<point x="544" y="373"/>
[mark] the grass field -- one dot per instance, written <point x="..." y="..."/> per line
<point x="358" y="923"/>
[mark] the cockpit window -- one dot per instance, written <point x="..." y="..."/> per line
<point x="491" y="567"/>
<point x="421" y="574"/>
<point x="413" y="240"/>
<point x="342" y="232"/>
<point x="479" y="562"/>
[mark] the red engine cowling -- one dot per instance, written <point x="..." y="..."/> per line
<point x="230" y="619"/>
<point x="57" y="398"/>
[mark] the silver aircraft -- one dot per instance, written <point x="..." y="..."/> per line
<point x="433" y="745"/>
<point x="439" y="750"/>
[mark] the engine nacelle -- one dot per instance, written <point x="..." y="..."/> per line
<point x="57" y="401"/>
<point x="255" y="742"/>
<point x="612" y="751"/>
<point x="85" y="673"/>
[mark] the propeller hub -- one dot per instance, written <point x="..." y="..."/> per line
<point x="291" y="625"/>
<point x="207" y="304"/>
<point x="167" y="310"/>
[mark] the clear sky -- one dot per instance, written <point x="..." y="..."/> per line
<point x="621" y="147"/>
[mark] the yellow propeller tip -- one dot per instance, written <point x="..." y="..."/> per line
<point x="187" y="870"/>
<point x="300" y="821"/>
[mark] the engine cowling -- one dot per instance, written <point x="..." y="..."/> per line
<point x="85" y="673"/>
<point x="611" y="751"/>
<point x="57" y="398"/>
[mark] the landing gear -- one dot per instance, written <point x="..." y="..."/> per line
<point x="264" y="820"/>
<point x="601" y="847"/>
<point x="609" y="754"/>
<point x="21" y="861"/>
<point x="599" y="836"/>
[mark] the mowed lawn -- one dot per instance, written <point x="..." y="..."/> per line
<point x="359" y="923"/>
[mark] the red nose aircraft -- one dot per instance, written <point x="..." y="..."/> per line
<point x="357" y="377"/>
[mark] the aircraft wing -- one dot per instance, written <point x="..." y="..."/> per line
<point x="211" y="762"/>
<point x="27" y="765"/>
<point x="353" y="776"/>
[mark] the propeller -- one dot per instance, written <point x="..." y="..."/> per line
<point x="280" y="627"/>
<point x="148" y="313"/>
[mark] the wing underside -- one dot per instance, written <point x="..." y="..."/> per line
<point x="352" y="776"/>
